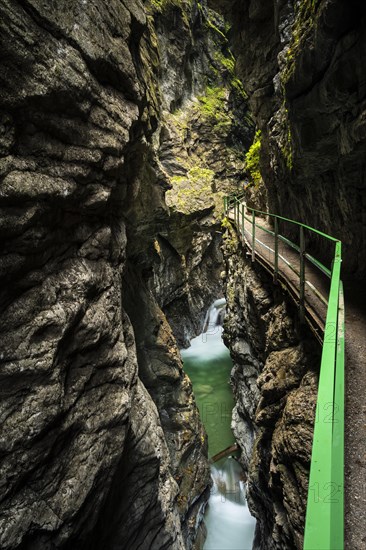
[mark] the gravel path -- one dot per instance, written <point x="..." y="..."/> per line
<point x="355" y="437"/>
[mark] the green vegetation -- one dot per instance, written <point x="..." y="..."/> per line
<point x="228" y="63"/>
<point x="159" y="5"/>
<point x="223" y="63"/>
<point x="193" y="191"/>
<point x="196" y="176"/>
<point x="225" y="223"/>
<point x="285" y="138"/>
<point x="163" y="6"/>
<point x="231" y="244"/>
<point x="201" y="175"/>
<point x="208" y="118"/>
<point x="287" y="150"/>
<point x="213" y="106"/>
<point x="212" y="26"/>
<point x="238" y="86"/>
<point x="252" y="159"/>
<point x="302" y="27"/>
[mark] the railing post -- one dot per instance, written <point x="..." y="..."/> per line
<point x="276" y="250"/>
<point x="302" y="274"/>
<point x="253" y="236"/>
<point x="225" y="205"/>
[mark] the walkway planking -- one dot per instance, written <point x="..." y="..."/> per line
<point x="264" y="249"/>
<point x="355" y="414"/>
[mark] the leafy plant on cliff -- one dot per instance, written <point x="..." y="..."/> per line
<point x="252" y="159"/>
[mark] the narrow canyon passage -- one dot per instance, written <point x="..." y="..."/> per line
<point x="208" y="364"/>
<point x="124" y="124"/>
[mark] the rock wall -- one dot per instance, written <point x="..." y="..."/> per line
<point x="274" y="381"/>
<point x="92" y="388"/>
<point x="204" y="130"/>
<point x="105" y="110"/>
<point x="161" y="371"/>
<point x="300" y="64"/>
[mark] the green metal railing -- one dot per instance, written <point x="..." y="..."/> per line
<point x="324" y="526"/>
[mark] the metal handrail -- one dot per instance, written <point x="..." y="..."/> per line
<point x="324" y="525"/>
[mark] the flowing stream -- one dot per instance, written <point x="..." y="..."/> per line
<point x="208" y="364"/>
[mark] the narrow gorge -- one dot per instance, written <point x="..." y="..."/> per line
<point x="124" y="128"/>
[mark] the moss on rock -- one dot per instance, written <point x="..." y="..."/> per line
<point x="252" y="159"/>
<point x="213" y="106"/>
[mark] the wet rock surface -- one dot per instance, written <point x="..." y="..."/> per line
<point x="274" y="381"/>
<point x="205" y="130"/>
<point x="300" y="62"/>
<point x="87" y="458"/>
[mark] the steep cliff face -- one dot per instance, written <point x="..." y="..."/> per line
<point x="83" y="445"/>
<point x="104" y="111"/>
<point x="160" y="369"/>
<point x="300" y="62"/>
<point x="204" y="130"/>
<point x="275" y="386"/>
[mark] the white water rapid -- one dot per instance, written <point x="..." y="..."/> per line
<point x="229" y="523"/>
<point x="208" y="364"/>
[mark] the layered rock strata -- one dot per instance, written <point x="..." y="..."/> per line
<point x="88" y="456"/>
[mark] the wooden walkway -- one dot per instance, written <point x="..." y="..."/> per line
<point x="355" y="414"/>
<point x="316" y="286"/>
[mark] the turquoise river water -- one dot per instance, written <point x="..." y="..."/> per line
<point x="208" y="364"/>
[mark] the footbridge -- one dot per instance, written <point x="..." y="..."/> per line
<point x="317" y="291"/>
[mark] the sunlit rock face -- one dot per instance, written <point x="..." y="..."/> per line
<point x="204" y="132"/>
<point x="87" y="454"/>
<point x="301" y="66"/>
<point x="275" y="387"/>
